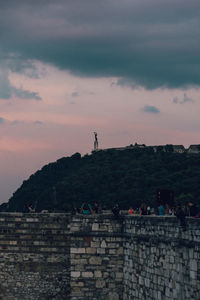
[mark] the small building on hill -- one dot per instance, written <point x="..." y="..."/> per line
<point x="169" y="148"/>
<point x="178" y="148"/>
<point x="194" y="149"/>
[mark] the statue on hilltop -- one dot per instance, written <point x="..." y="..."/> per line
<point x="96" y="144"/>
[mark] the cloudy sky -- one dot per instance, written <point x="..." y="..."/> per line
<point x="128" y="69"/>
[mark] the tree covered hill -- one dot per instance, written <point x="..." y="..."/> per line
<point x="127" y="177"/>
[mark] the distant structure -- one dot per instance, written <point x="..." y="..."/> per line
<point x="96" y="143"/>
<point x="193" y="149"/>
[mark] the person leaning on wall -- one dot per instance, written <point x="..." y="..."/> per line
<point x="86" y="209"/>
<point x="131" y="211"/>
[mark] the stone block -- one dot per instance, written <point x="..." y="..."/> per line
<point x="147" y="282"/>
<point x="101" y="250"/>
<point x="75" y="228"/>
<point x="100" y="283"/>
<point x="77" y="250"/>
<point x="193" y="265"/>
<point x="95" y="260"/>
<point x="113" y="245"/>
<point x="77" y="284"/>
<point x="103" y="244"/>
<point x="113" y="296"/>
<point x="95" y="244"/>
<point x="119" y="275"/>
<point x="75" y="274"/>
<point x="95" y="227"/>
<point x="87" y="274"/>
<point x="97" y="274"/>
<point x="91" y="250"/>
<point x="193" y="275"/>
<point x="120" y="251"/>
<point x="113" y="251"/>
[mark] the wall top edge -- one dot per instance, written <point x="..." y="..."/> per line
<point x="105" y="215"/>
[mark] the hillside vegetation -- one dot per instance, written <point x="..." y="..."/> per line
<point x="127" y="177"/>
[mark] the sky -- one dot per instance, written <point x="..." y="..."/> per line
<point x="129" y="70"/>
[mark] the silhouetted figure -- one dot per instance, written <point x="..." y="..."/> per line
<point x="186" y="210"/>
<point x="193" y="211"/>
<point x="73" y="210"/>
<point x="96" y="208"/>
<point x="116" y="211"/>
<point x="78" y="210"/>
<point x="143" y="209"/>
<point x="26" y="209"/>
<point x="179" y="213"/>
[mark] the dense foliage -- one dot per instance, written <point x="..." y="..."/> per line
<point x="127" y="177"/>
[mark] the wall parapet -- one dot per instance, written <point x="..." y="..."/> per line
<point x="59" y="256"/>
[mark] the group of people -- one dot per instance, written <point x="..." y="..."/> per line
<point x="143" y="210"/>
<point x="88" y="209"/>
<point x="189" y="210"/>
<point x="28" y="208"/>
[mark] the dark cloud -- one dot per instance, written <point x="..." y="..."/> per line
<point x="184" y="100"/>
<point x="38" y="123"/>
<point x="24" y="94"/>
<point x="175" y="100"/>
<point x="151" y="43"/>
<point x="21" y="122"/>
<point x="7" y="90"/>
<point x="151" y="109"/>
<point x="25" y="67"/>
<point x="2" y="120"/>
<point x="75" y="94"/>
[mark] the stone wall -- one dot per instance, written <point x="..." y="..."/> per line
<point x="96" y="258"/>
<point x="34" y="256"/>
<point x="161" y="259"/>
<point x="58" y="256"/>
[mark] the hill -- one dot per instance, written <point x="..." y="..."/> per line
<point x="127" y="177"/>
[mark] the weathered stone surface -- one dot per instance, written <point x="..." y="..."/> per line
<point x="100" y="283"/>
<point x="91" y="250"/>
<point x="95" y="260"/>
<point x="113" y="296"/>
<point x="57" y="256"/>
<point x="87" y="274"/>
<point x="77" y="250"/>
<point x="75" y="274"/>
<point x="163" y="257"/>
<point x="103" y="244"/>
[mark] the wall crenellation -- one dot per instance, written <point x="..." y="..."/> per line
<point x="59" y="256"/>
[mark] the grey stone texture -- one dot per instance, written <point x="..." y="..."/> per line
<point x="59" y="256"/>
<point x="161" y="260"/>
<point x="34" y="256"/>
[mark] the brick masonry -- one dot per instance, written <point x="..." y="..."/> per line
<point x="59" y="256"/>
